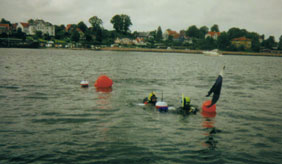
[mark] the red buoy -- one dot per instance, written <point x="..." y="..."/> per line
<point x="104" y="90"/>
<point x="207" y="109"/>
<point x="208" y="114"/>
<point x="103" y="81"/>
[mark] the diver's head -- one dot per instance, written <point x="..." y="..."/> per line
<point x="154" y="98"/>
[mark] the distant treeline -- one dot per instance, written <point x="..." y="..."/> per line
<point x="193" y="38"/>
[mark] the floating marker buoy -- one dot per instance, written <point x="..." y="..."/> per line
<point x="84" y="83"/>
<point x="208" y="124"/>
<point x="208" y="114"/>
<point x="103" y="81"/>
<point x="162" y="106"/>
<point x="207" y="109"/>
<point x="104" y="90"/>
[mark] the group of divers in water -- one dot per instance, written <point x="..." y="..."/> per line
<point x="186" y="106"/>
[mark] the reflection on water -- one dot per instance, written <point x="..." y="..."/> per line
<point x="209" y="125"/>
<point x="104" y="98"/>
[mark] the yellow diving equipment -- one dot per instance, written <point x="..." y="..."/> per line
<point x="185" y="101"/>
<point x="150" y="96"/>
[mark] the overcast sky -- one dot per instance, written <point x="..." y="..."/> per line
<point x="261" y="16"/>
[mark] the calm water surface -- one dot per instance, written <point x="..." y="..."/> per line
<point x="47" y="118"/>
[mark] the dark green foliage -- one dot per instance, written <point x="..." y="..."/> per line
<point x="280" y="43"/>
<point x="30" y="21"/>
<point x="223" y="41"/>
<point x="159" y="34"/>
<point x="269" y="43"/>
<point x="121" y="23"/>
<point x="193" y="32"/>
<point x="46" y="37"/>
<point x="96" y="23"/>
<point x="215" y="28"/>
<point x="38" y="34"/>
<point x="82" y="26"/>
<point x="60" y="32"/>
<point x="20" y="34"/>
<point x="203" y="31"/>
<point x="75" y="36"/>
<point x="4" y="21"/>
<point x="236" y="33"/>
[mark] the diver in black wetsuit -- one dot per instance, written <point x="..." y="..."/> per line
<point x="151" y="99"/>
<point x="186" y="107"/>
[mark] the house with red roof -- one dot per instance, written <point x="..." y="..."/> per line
<point x="175" y="35"/>
<point x="68" y="27"/>
<point x="4" y="28"/>
<point x="213" y="35"/>
<point x="242" y="42"/>
<point x="41" y="25"/>
<point x="37" y="25"/>
<point x="24" y="27"/>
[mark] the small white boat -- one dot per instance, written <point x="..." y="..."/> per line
<point x="162" y="106"/>
<point x="214" y="52"/>
<point x="84" y="83"/>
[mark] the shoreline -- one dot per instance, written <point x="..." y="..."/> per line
<point x="188" y="51"/>
<point x="239" y="53"/>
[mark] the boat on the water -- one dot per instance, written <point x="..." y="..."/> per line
<point x="162" y="106"/>
<point x="84" y="84"/>
<point x="214" y="52"/>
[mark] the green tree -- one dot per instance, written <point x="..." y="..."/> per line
<point x="193" y="32"/>
<point x="159" y="35"/>
<point x="255" y="44"/>
<point x="236" y="33"/>
<point x="153" y="35"/>
<point x="75" y="36"/>
<point x="20" y="34"/>
<point x="99" y="36"/>
<point x="121" y="23"/>
<point x="38" y="34"/>
<point x="117" y="23"/>
<point x="30" y="21"/>
<point x="203" y="31"/>
<point x="88" y="36"/>
<point x="223" y="41"/>
<point x="280" y="43"/>
<point x="72" y="28"/>
<point x="205" y="44"/>
<point x="60" y="32"/>
<point x="255" y="41"/>
<point x="269" y="43"/>
<point x="4" y="21"/>
<point x="215" y="28"/>
<point x="82" y="26"/>
<point x="46" y="36"/>
<point x="96" y="23"/>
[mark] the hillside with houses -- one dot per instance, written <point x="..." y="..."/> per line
<point x="39" y="33"/>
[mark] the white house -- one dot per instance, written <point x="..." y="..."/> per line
<point x="126" y="41"/>
<point x="37" y="25"/>
<point x="24" y="27"/>
<point x="44" y="27"/>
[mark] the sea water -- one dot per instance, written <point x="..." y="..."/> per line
<point x="46" y="117"/>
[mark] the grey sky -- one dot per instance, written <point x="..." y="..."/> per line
<point x="262" y="16"/>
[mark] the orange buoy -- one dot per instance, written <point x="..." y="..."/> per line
<point x="208" y="114"/>
<point x="207" y="109"/>
<point x="103" y="81"/>
<point x="104" y="90"/>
